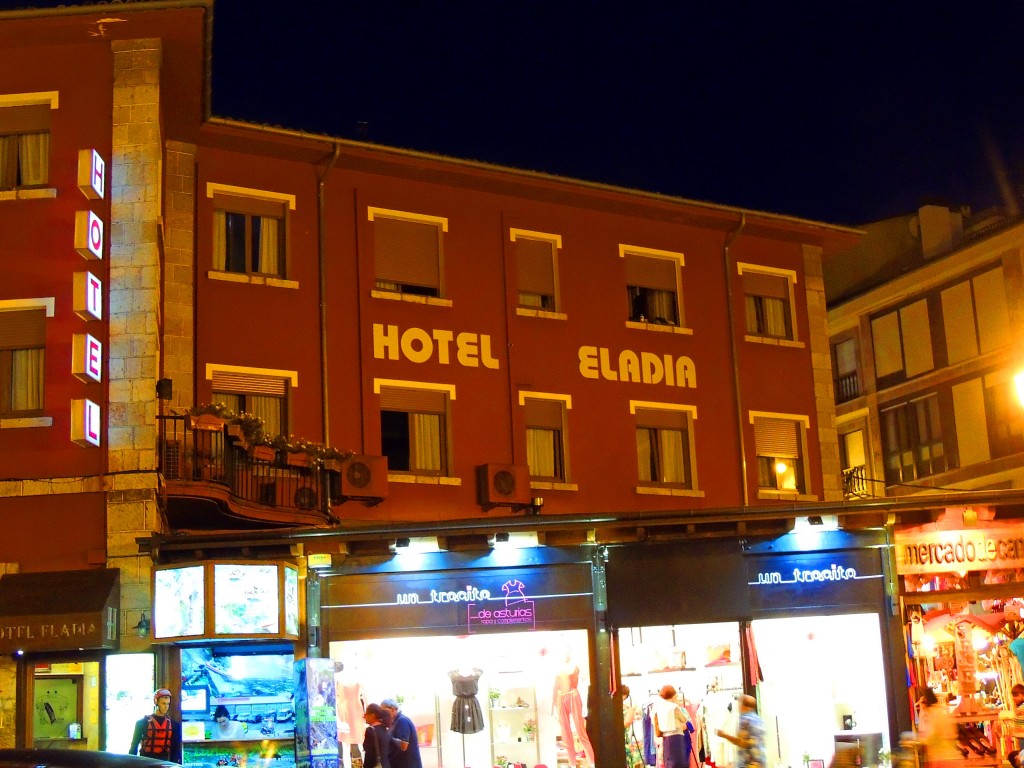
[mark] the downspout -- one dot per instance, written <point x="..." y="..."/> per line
<point x="735" y="355"/>
<point x="321" y="246"/>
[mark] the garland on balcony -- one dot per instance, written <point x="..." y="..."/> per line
<point x="254" y="433"/>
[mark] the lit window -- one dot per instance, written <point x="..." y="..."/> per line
<point x="407" y="252"/>
<point x="414" y="430"/>
<point x="663" y="447"/>
<point x="24" y="146"/>
<point x="652" y="287"/>
<point x="536" y="258"/>
<point x="779" y="443"/>
<point x="249" y="235"/>
<point x="260" y="395"/>
<point x="545" y="438"/>
<point x="1004" y="417"/>
<point x="768" y="301"/>
<point x="22" y="358"/>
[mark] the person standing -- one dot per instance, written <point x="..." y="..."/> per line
<point x="405" y="747"/>
<point x="749" y="738"/>
<point x="936" y="728"/>
<point x="376" y="739"/>
<point x="674" y="727"/>
<point x="157" y="735"/>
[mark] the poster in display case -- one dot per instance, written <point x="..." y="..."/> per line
<point x="246" y="599"/>
<point x="316" y="718"/>
<point x="179" y="602"/>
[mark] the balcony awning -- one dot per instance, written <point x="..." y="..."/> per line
<point x="59" y="611"/>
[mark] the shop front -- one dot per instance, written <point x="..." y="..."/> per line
<point x="60" y="627"/>
<point x="801" y="621"/>
<point x="491" y="655"/>
<point x="962" y="593"/>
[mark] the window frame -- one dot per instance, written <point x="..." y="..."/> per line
<point x="537" y="415"/>
<point x="229" y="200"/>
<point x="28" y="334"/>
<point x="247" y="381"/>
<point x="761" y="332"/>
<point x="656" y="418"/>
<point x="517" y="235"/>
<point x="801" y="425"/>
<point x="26" y="114"/>
<point x="677" y="260"/>
<point x="914" y="444"/>
<point x="418" y="394"/>
<point x="408" y="290"/>
<point x="1003" y="414"/>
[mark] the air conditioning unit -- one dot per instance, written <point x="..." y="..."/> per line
<point x="298" y="492"/>
<point x="364" y="478"/>
<point x="503" y="485"/>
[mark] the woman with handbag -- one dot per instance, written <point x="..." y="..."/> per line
<point x="673" y="725"/>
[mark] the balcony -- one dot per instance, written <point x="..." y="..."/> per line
<point x="214" y="481"/>
<point x="847" y="388"/>
<point x="855" y="483"/>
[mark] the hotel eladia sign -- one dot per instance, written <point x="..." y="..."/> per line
<point x="960" y="551"/>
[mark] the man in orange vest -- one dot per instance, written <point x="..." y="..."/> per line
<point x="157" y="735"/>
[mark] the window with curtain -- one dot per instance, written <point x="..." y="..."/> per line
<point x="413" y="428"/>
<point x="248" y="235"/>
<point x="545" y="447"/>
<point x="651" y="290"/>
<point x="779" y="446"/>
<point x="262" y="396"/>
<point x="912" y="442"/>
<point x="24" y="146"/>
<point x="22" y="360"/>
<point x="407" y="254"/>
<point x="535" y="266"/>
<point x="769" y="311"/>
<point x="663" y="447"/>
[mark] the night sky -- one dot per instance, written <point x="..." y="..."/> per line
<point x="842" y="112"/>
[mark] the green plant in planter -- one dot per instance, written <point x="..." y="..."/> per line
<point x="493" y="694"/>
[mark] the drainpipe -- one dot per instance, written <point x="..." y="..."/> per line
<point x="727" y="264"/>
<point x="321" y="247"/>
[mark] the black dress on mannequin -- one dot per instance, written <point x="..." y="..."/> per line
<point x="467" y="716"/>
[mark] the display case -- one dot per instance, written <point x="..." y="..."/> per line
<point x="513" y="721"/>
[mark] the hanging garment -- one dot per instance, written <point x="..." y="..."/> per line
<point x="467" y="716"/>
<point x="650" y="753"/>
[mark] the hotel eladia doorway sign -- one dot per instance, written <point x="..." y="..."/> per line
<point x="467" y="602"/>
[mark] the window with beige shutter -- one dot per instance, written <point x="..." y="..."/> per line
<point x="22" y="362"/>
<point x="663" y="447"/>
<point x="24" y="146"/>
<point x="407" y="253"/>
<point x="535" y="267"/>
<point x="768" y="304"/>
<point x="259" y="395"/>
<point x="652" y="289"/>
<point x="779" y="444"/>
<point x="414" y="430"/>
<point x="545" y="438"/>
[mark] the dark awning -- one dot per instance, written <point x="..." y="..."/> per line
<point x="59" y="610"/>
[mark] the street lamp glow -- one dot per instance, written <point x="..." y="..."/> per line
<point x="1018" y="385"/>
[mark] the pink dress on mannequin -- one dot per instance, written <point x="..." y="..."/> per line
<point x="569" y="706"/>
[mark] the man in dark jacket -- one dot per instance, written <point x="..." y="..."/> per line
<point x="405" y="746"/>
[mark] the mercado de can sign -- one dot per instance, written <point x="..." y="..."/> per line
<point x="963" y="550"/>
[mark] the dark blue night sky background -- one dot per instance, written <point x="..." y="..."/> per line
<point x="842" y="112"/>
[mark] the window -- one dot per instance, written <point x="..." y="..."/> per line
<point x="262" y="395"/>
<point x="663" y="447"/>
<point x="1004" y="417"/>
<point x="912" y="443"/>
<point x="414" y="430"/>
<point x="653" y="285"/>
<point x="854" y="463"/>
<point x="407" y="252"/>
<point x="536" y="256"/>
<point x="24" y="146"/>
<point x="975" y="316"/>
<point x="248" y="235"/>
<point x="779" y="443"/>
<point x="545" y="438"/>
<point x="902" y="343"/>
<point x="844" y="363"/>
<point x="768" y="298"/>
<point x="22" y="357"/>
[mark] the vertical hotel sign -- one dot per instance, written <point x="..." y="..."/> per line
<point x="86" y="349"/>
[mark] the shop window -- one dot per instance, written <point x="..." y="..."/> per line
<point x="768" y="300"/>
<point x="545" y="438"/>
<point x="780" y="446"/>
<point x="664" y="447"/>
<point x="902" y="343"/>
<point x="24" y="146"/>
<point x="22" y="359"/>
<point x="653" y="286"/>
<point x="414" y="430"/>
<point x="407" y="252"/>
<point x="536" y="256"/>
<point x="262" y="395"/>
<point x="249" y="235"/>
<point x="912" y="442"/>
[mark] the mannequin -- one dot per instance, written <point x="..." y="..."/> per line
<point x="569" y="706"/>
<point x="350" y="704"/>
<point x="467" y="715"/>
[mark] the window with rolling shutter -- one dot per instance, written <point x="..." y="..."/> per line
<point x="663" y="447"/>
<point x="545" y="438"/>
<point x="536" y="258"/>
<point x="407" y="252"/>
<point x="414" y="430"/>
<point x="652" y="289"/>
<point x="261" y="395"/>
<point x="24" y="146"/>
<point x="778" y="443"/>
<point x="768" y="302"/>
<point x="249" y="235"/>
<point x="22" y="358"/>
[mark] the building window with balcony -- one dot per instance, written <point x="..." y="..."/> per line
<point x="853" y="459"/>
<point x="653" y="286"/>
<point x="249" y="234"/>
<point x="22" y="361"/>
<point x="536" y="258"/>
<point x="262" y="393"/>
<point x="768" y="301"/>
<point x="912" y="442"/>
<point x="844" y="364"/>
<point x="664" y="445"/>
<point x="545" y="419"/>
<point x="414" y="430"/>
<point x="780" y="444"/>
<point x="408" y="252"/>
<point x="24" y="145"/>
